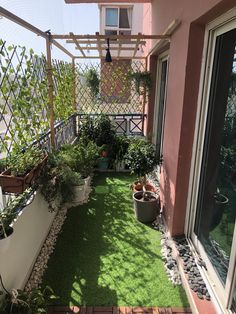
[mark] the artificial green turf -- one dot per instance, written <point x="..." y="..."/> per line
<point x="104" y="256"/>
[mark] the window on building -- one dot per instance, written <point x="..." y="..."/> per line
<point x="118" y="21"/>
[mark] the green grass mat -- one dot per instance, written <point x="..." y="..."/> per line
<point x="104" y="256"/>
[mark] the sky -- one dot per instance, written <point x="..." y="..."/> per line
<point x="56" y="15"/>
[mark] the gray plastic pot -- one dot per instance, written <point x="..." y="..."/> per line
<point x="146" y="211"/>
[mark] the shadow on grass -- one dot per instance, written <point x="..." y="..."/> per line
<point x="105" y="257"/>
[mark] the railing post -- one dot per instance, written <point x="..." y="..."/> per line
<point x="50" y="91"/>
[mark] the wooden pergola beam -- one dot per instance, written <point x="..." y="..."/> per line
<point x="113" y="58"/>
<point x="14" y="18"/>
<point x="119" y="49"/>
<point x="137" y="45"/>
<point x="111" y="37"/>
<point x="77" y="44"/>
<point x="103" y="42"/>
<point x="99" y="46"/>
<point x="104" y="48"/>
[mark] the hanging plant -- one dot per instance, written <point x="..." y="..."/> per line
<point x="141" y="80"/>
<point x="93" y="81"/>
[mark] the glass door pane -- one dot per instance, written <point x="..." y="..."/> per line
<point x="216" y="209"/>
<point x="161" y="106"/>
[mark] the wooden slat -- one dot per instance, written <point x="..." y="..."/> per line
<point x="50" y="92"/>
<point x="113" y="58"/>
<point x="77" y="44"/>
<point x="137" y="45"/>
<point x="103" y="42"/>
<point x="119" y="49"/>
<point x="99" y="46"/>
<point x="111" y="36"/>
<point x="104" y="48"/>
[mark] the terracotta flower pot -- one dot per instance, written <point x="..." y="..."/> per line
<point x="14" y="184"/>
<point x="104" y="153"/>
<point x="138" y="186"/>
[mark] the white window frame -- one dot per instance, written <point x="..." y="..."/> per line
<point x="223" y="296"/>
<point x="116" y="28"/>
<point x="161" y="58"/>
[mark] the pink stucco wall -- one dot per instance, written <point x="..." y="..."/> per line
<point x="182" y="92"/>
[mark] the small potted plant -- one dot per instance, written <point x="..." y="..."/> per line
<point x="57" y="182"/>
<point x="22" y="168"/>
<point x="120" y="149"/>
<point x="86" y="156"/>
<point x="141" y="159"/>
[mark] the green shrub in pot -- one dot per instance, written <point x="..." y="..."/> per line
<point x="58" y="180"/>
<point x="86" y="155"/>
<point x="141" y="159"/>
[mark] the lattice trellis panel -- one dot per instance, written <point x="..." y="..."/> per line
<point x="23" y="97"/>
<point x="117" y="93"/>
<point x="63" y="79"/>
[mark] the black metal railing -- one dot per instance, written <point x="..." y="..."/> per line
<point x="130" y="124"/>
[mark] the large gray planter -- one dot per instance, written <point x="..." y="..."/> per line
<point x="146" y="211"/>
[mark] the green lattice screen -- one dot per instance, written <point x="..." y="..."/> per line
<point x="23" y="97"/>
<point x="117" y="93"/>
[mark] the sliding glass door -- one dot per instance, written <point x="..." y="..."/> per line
<point x="213" y="230"/>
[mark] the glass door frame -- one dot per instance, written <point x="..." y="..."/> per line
<point x="161" y="58"/>
<point x="223" y="295"/>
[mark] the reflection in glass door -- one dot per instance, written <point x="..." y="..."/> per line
<point x="160" y="104"/>
<point x="216" y="206"/>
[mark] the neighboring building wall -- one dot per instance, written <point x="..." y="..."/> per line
<point x="120" y="92"/>
<point x="185" y="54"/>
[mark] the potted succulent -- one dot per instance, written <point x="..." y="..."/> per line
<point x="141" y="159"/>
<point x="22" y="168"/>
<point x="18" y="301"/>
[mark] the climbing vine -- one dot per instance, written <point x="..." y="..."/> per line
<point x="23" y="107"/>
<point x="63" y="85"/>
